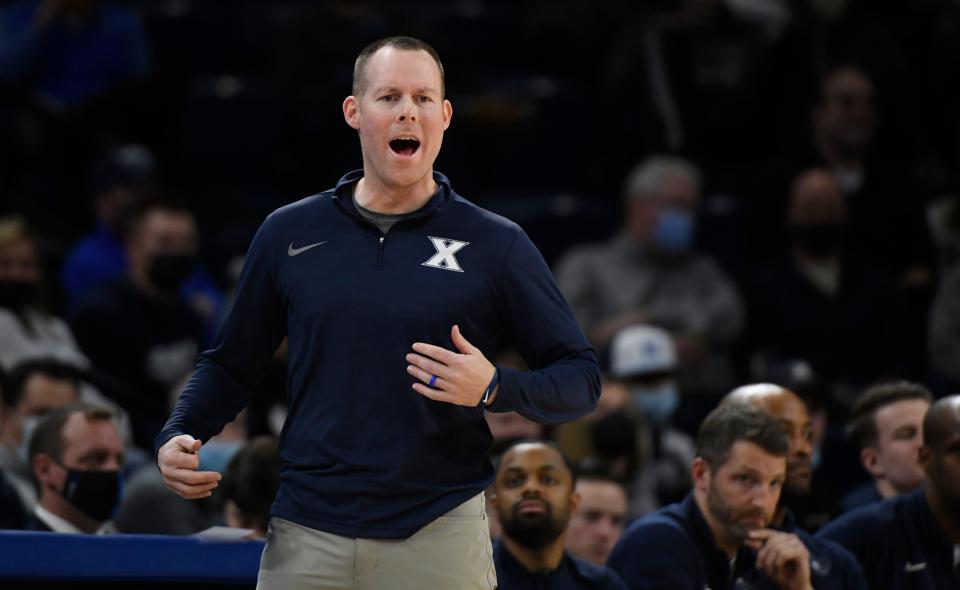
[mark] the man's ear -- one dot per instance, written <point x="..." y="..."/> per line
<point x="925" y="458"/>
<point x="447" y="114"/>
<point x="351" y="111"/>
<point x="46" y="471"/>
<point x="700" y="474"/>
<point x="871" y="462"/>
<point x="575" y="501"/>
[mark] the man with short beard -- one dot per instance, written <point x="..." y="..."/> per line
<point x="534" y="497"/>
<point x="831" y="565"/>
<point x="719" y="535"/>
<point x="912" y="541"/>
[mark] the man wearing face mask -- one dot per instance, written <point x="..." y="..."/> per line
<point x="33" y="389"/>
<point x="651" y="273"/>
<point x="138" y="330"/>
<point x="644" y="358"/>
<point x="818" y="304"/>
<point x="76" y="454"/>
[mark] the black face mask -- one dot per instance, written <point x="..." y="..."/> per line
<point x="16" y="295"/>
<point x="167" y="271"/>
<point x="94" y="493"/>
<point x="819" y="240"/>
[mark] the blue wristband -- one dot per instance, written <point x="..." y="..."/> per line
<point x="490" y="388"/>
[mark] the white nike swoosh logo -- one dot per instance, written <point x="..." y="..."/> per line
<point x="291" y="251"/>
<point x="915" y="567"/>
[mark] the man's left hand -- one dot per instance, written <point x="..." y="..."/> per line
<point x="461" y="377"/>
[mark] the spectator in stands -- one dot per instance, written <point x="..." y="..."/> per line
<point x="709" y="539"/>
<point x="910" y="542"/>
<point x="250" y="484"/>
<point x="28" y="330"/>
<point x="33" y="390"/>
<point x="945" y="327"/>
<point x="598" y="520"/>
<point x="874" y="178"/>
<point x="887" y="424"/>
<point x="817" y="303"/>
<point x="70" y="51"/>
<point x="122" y="181"/>
<point x="76" y="454"/>
<point x="534" y="497"/>
<point x="137" y="330"/>
<point x="651" y="273"/>
<point x="645" y="360"/>
<point x="831" y="565"/>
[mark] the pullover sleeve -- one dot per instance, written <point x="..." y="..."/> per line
<point x="228" y="374"/>
<point x="564" y="381"/>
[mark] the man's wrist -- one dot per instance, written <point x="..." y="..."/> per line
<point x="490" y="393"/>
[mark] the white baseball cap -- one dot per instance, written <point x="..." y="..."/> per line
<point x="641" y="350"/>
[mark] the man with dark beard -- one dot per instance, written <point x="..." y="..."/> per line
<point x="534" y="497"/>
<point x="831" y="566"/>
<point x="912" y="541"/>
<point x="719" y="535"/>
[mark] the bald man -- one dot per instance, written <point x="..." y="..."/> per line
<point x="913" y="540"/>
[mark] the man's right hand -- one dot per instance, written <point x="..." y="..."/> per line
<point x="179" y="459"/>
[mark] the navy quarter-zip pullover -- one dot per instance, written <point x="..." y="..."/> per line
<point x="363" y="454"/>
<point x="674" y="549"/>
<point x="899" y="544"/>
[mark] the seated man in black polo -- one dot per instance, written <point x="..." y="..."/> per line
<point x="718" y="537"/>
<point x="534" y="497"/>
<point x="912" y="541"/>
<point x="831" y="566"/>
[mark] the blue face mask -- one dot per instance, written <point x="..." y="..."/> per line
<point x="216" y="455"/>
<point x="673" y="233"/>
<point x="656" y="403"/>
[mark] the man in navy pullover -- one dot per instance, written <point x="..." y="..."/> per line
<point x="535" y="495"/>
<point x="717" y="537"/>
<point x="392" y="291"/>
<point x="912" y="541"/>
<point x="831" y="566"/>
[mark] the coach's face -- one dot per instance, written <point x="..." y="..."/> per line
<point x="401" y="116"/>
<point x="741" y="494"/>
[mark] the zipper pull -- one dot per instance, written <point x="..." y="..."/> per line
<point x="380" y="249"/>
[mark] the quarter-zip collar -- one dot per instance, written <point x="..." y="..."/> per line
<point x="341" y="196"/>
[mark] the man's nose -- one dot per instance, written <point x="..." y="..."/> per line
<point x="407" y="109"/>
<point x="606" y="528"/>
<point x="802" y="446"/>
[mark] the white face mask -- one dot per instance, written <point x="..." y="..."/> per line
<point x="658" y="402"/>
<point x="27" y="425"/>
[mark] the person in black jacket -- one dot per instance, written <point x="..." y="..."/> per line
<point x="719" y="536"/>
<point x="910" y="542"/>
<point x="831" y="566"/>
<point x="534" y="495"/>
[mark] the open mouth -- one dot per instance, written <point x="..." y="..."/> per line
<point x="405" y="146"/>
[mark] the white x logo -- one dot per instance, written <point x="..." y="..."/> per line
<point x="444" y="258"/>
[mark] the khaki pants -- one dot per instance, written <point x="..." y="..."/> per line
<point x="452" y="552"/>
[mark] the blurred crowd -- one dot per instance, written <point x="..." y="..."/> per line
<point x="728" y="192"/>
